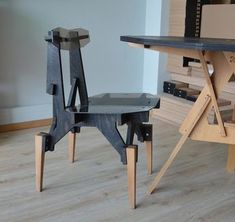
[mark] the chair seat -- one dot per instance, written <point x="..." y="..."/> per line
<point x="117" y="103"/>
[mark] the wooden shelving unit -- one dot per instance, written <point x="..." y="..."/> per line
<point x="186" y="19"/>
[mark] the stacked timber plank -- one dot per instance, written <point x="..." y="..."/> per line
<point x="177" y="28"/>
<point x="174" y="110"/>
<point x="224" y="21"/>
<point x="177" y="17"/>
<point x="189" y="76"/>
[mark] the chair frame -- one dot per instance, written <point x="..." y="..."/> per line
<point x="68" y="119"/>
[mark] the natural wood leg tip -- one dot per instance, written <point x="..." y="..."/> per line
<point x="132" y="204"/>
<point x="39" y="189"/>
<point x="230" y="170"/>
<point x="231" y="159"/>
<point x="72" y="161"/>
<point x="223" y="134"/>
<point x="151" y="190"/>
<point x="133" y="207"/>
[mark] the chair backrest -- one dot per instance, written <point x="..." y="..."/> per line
<point x="72" y="40"/>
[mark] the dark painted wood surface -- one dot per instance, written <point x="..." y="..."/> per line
<point x="105" y="111"/>
<point x="209" y="44"/>
<point x="117" y="103"/>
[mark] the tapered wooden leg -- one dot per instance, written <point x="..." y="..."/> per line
<point x="163" y="170"/>
<point x="179" y="145"/>
<point x="149" y="154"/>
<point x="131" y="173"/>
<point x="72" y="144"/>
<point x="39" y="161"/>
<point x="231" y="153"/>
<point x="231" y="159"/>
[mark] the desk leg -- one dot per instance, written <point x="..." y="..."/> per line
<point x="231" y="153"/>
<point x="131" y="173"/>
<point x="72" y="144"/>
<point x="179" y="145"/>
<point x="163" y="170"/>
<point x="231" y="159"/>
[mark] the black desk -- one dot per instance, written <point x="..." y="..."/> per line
<point x="180" y="42"/>
<point x="221" y="54"/>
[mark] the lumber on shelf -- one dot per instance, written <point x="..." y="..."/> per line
<point x="173" y="110"/>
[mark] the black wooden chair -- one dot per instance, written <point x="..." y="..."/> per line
<point x="104" y="111"/>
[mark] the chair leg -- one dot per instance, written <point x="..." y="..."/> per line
<point x="72" y="144"/>
<point x="149" y="154"/>
<point x="39" y="162"/>
<point x="131" y="172"/>
<point x="231" y="159"/>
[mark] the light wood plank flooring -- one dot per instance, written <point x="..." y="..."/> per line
<point x="94" y="188"/>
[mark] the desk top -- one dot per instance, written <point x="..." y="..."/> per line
<point x="210" y="44"/>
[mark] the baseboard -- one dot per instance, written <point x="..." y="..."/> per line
<point x="25" y="125"/>
<point x="25" y="114"/>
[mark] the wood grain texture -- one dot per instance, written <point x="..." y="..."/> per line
<point x="25" y="125"/>
<point x="177" y="22"/>
<point x="212" y="94"/>
<point x="39" y="162"/>
<point x="131" y="174"/>
<point x="72" y="146"/>
<point x="224" y="68"/>
<point x="196" y="188"/>
<point x="231" y="151"/>
<point x="231" y="159"/>
<point x="175" y="51"/>
<point x="223" y="73"/>
<point x="149" y="156"/>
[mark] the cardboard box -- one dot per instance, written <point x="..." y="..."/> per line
<point x="218" y="21"/>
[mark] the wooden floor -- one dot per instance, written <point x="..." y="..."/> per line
<point x="94" y="188"/>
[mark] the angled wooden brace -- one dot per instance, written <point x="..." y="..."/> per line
<point x="212" y="94"/>
<point x="179" y="145"/>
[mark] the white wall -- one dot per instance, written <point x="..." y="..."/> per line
<point x="110" y="65"/>
<point x="163" y="74"/>
<point x="156" y="23"/>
